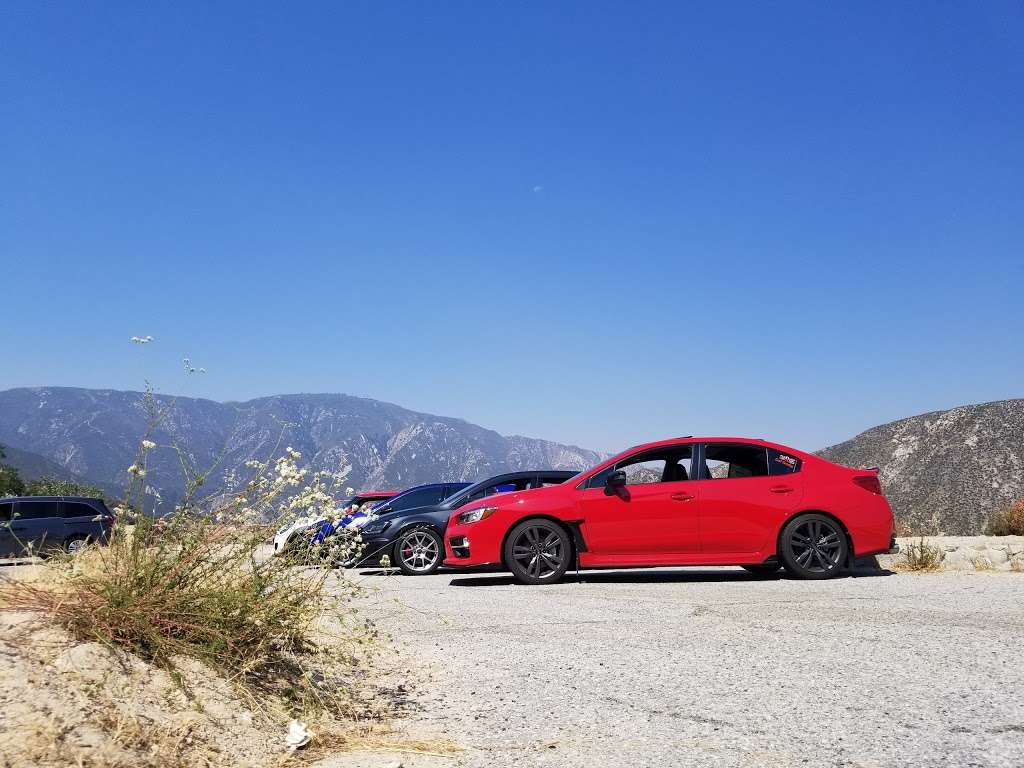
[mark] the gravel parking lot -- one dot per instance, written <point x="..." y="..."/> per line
<point x="676" y="667"/>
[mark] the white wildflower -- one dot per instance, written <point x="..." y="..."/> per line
<point x="148" y="445"/>
<point x="141" y="339"/>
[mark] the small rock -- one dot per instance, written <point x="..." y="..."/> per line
<point x="996" y="556"/>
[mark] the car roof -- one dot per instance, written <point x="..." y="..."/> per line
<point x="689" y="439"/>
<point x="527" y="473"/>
<point x="381" y="494"/>
<point x="8" y="499"/>
<point x="565" y="474"/>
<point x="460" y="483"/>
<point x="703" y="439"/>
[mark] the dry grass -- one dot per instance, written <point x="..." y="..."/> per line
<point x="1009" y="522"/>
<point x="201" y="591"/>
<point x="922" y="557"/>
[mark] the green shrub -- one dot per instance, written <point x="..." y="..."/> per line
<point x="11" y="483"/>
<point x="52" y="486"/>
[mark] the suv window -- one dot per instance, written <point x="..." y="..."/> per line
<point x="79" y="509"/>
<point x="33" y="510"/>
<point x="5" y="512"/>
<point x="780" y="463"/>
<point x="662" y="465"/>
<point x="731" y="461"/>
<point x="420" y="498"/>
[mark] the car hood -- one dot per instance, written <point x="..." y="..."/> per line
<point x="514" y="497"/>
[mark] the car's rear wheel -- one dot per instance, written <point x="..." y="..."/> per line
<point x="538" y="552"/>
<point x="813" y="546"/>
<point x="418" y="552"/>
<point x="761" y="570"/>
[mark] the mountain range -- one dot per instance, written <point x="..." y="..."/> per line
<point x="94" y="434"/>
<point x="943" y="472"/>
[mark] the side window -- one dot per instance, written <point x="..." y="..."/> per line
<point x="724" y="461"/>
<point x="5" y="512"/>
<point x="420" y="498"/>
<point x="780" y="463"/>
<point x="34" y="510"/>
<point x="659" y="466"/>
<point x="78" y="509"/>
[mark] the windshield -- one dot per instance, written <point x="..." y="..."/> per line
<point x="458" y="499"/>
<point x="490" y="487"/>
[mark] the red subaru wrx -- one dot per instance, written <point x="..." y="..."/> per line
<point x="686" y="501"/>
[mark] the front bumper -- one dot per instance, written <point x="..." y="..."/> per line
<point x="474" y="543"/>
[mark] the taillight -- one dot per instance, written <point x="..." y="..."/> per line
<point x="869" y="483"/>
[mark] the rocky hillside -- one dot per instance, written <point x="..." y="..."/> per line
<point x="947" y="471"/>
<point x="95" y="434"/>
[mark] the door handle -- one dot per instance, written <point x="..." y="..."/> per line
<point x="781" y="489"/>
<point x="681" y="496"/>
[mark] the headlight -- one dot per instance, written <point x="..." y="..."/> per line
<point x="359" y="522"/>
<point x="475" y="515"/>
<point x="375" y="528"/>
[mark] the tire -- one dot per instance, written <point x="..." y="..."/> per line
<point x="419" y="551"/>
<point x="76" y="544"/>
<point x="761" y="570"/>
<point x="813" y="546"/>
<point x="538" y="552"/>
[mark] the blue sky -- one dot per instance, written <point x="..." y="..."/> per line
<point x="598" y="223"/>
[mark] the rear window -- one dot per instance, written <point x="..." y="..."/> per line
<point x="34" y="510"/>
<point x="735" y="461"/>
<point x="5" y="512"/>
<point x="79" y="509"/>
<point x="780" y="463"/>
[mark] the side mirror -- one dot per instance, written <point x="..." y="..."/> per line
<point x="615" y="482"/>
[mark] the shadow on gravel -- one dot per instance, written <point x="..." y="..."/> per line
<point x="661" y="575"/>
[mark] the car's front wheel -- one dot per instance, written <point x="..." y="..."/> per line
<point x="538" y="552"/>
<point x="813" y="546"/>
<point x="76" y="544"/>
<point x="418" y="552"/>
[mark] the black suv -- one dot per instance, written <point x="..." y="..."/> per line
<point x="40" y="524"/>
<point x="413" y="539"/>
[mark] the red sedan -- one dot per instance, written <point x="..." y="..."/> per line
<point x="687" y="501"/>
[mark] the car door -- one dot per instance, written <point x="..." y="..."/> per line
<point x="37" y="523"/>
<point x="742" y="503"/>
<point x="654" y="516"/>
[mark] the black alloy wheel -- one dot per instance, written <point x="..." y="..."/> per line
<point x="538" y="552"/>
<point x="813" y="546"/>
